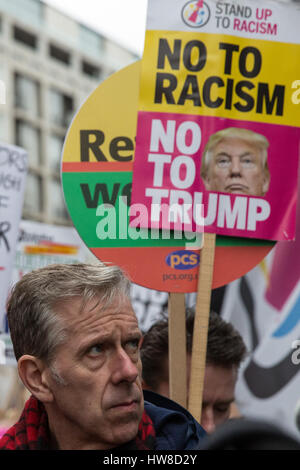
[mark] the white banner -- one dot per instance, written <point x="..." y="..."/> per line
<point x="13" y="170"/>
<point x="269" y="383"/>
<point x="43" y="244"/>
<point x="264" y="306"/>
<point x="38" y="245"/>
<point x="271" y="20"/>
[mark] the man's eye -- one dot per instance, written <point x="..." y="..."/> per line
<point x="222" y="409"/>
<point x="223" y="162"/>
<point x="95" y="350"/>
<point x="248" y="162"/>
<point x="133" y="344"/>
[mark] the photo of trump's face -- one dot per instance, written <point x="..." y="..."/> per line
<point x="235" y="161"/>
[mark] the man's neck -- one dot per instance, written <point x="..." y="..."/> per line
<point x="64" y="436"/>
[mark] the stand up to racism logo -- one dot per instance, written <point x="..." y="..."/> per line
<point x="195" y="13"/>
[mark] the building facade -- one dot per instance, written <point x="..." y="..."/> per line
<point x="49" y="64"/>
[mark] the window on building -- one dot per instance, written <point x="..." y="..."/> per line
<point x="27" y="94"/>
<point x="24" y="37"/>
<point x="90" y="69"/>
<point x="57" y="206"/>
<point x="91" y="41"/>
<point x="60" y="108"/>
<point x="4" y="119"/>
<point x="59" y="54"/>
<point x="28" y="137"/>
<point x="31" y="12"/>
<point x="33" y="198"/>
<point x="54" y="150"/>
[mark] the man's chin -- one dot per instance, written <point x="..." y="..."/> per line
<point x="125" y="432"/>
<point x="237" y="190"/>
<point x="126" y="421"/>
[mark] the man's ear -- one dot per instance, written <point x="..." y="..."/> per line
<point x="144" y="385"/>
<point x="34" y="375"/>
<point x="266" y="183"/>
<point x="206" y="182"/>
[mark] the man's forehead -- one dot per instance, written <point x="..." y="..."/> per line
<point x="77" y="307"/>
<point x="234" y="142"/>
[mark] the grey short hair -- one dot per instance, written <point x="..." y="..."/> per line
<point x="247" y="135"/>
<point x="35" y="327"/>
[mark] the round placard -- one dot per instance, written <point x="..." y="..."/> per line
<point x="97" y="177"/>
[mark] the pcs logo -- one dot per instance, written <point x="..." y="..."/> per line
<point x="183" y="259"/>
<point x="195" y="13"/>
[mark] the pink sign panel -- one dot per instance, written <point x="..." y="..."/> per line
<point x="228" y="176"/>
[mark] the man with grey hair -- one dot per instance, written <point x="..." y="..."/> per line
<point x="235" y="161"/>
<point x="77" y="342"/>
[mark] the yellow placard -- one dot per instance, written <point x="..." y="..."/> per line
<point x="216" y="75"/>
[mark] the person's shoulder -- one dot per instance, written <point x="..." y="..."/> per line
<point x="7" y="439"/>
<point x="163" y="402"/>
<point x="175" y="427"/>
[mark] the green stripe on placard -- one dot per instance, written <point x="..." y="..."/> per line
<point x="240" y="241"/>
<point x="85" y="193"/>
<point x="99" y="227"/>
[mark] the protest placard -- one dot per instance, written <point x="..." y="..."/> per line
<point x="13" y="171"/>
<point x="217" y="122"/>
<point x="217" y="137"/>
<point x="97" y="176"/>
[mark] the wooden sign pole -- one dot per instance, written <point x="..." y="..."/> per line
<point x="177" y="349"/>
<point x="201" y="325"/>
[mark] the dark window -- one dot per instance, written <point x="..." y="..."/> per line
<point x="90" y="69"/>
<point x="60" y="108"/>
<point x="24" y="37"/>
<point x="27" y="94"/>
<point x="29" y="138"/>
<point x="59" y="54"/>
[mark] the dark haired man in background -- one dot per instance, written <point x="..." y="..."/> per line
<point x="225" y="352"/>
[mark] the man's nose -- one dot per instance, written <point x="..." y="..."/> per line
<point x="207" y="420"/>
<point x="123" y="368"/>
<point x="235" y="167"/>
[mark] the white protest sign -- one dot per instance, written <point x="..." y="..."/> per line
<point x="13" y="170"/>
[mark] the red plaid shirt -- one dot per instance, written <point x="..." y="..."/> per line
<point x="31" y="432"/>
